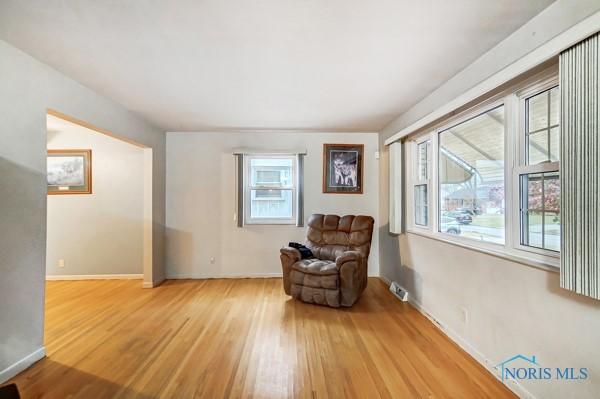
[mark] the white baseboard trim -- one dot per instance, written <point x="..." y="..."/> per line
<point x="22" y="364"/>
<point x="201" y="276"/>
<point x="514" y="386"/>
<point x="96" y="277"/>
<point x="386" y="280"/>
<point x="152" y="284"/>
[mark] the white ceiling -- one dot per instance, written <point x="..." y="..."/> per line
<point x="262" y="64"/>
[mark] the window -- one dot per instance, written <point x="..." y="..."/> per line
<point x="539" y="185"/>
<point x="261" y="195"/>
<point x="542" y="133"/>
<point x="423" y="160"/>
<point x="421" y="205"/>
<point x="471" y="178"/>
<point x="540" y="217"/>
<point x="270" y="189"/>
<point x="494" y="180"/>
<point x="420" y="189"/>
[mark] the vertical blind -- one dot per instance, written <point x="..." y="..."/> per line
<point x="395" y="224"/>
<point x="580" y="168"/>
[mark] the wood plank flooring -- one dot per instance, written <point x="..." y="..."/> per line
<point x="237" y="338"/>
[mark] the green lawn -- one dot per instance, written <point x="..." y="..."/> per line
<point x="488" y="220"/>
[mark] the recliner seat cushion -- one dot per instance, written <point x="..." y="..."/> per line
<point x="315" y="273"/>
<point x="316" y="266"/>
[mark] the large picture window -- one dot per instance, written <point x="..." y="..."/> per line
<point x="471" y="178"/>
<point x="493" y="182"/>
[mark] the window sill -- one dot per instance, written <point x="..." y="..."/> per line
<point x="270" y="222"/>
<point x="549" y="266"/>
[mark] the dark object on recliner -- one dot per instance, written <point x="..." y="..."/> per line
<point x="9" y="392"/>
<point x="305" y="252"/>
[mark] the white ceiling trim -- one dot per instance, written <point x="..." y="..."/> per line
<point x="543" y="53"/>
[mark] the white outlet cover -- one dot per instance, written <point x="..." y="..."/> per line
<point x="465" y="315"/>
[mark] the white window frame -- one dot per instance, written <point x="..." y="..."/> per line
<point x="522" y="167"/>
<point x="248" y="187"/>
<point x="270" y="198"/>
<point x="514" y="145"/>
<point x="418" y="182"/>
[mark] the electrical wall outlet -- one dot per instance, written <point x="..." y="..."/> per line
<point x="61" y="263"/>
<point x="465" y="315"/>
<point x="212" y="260"/>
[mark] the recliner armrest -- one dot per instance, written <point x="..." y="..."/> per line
<point x="352" y="266"/>
<point x="291" y="253"/>
<point x="348" y="256"/>
<point x="288" y="257"/>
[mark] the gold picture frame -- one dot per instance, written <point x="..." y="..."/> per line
<point x="69" y="172"/>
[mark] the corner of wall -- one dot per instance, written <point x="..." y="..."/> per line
<point x="22" y="364"/>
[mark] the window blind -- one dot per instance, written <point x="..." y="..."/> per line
<point x="580" y="168"/>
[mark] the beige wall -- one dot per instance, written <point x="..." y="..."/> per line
<point x="101" y="233"/>
<point x="201" y="202"/>
<point x="27" y="89"/>
<point x="513" y="308"/>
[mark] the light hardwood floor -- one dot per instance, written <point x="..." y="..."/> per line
<point x="242" y="338"/>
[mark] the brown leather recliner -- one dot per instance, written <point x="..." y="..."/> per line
<point x="338" y="273"/>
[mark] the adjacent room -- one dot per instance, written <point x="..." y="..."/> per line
<point x="300" y="199"/>
<point x="95" y="227"/>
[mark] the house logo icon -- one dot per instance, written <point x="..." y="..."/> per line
<point x="520" y="367"/>
<point x="507" y="371"/>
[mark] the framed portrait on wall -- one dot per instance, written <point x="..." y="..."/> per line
<point x="343" y="168"/>
<point x="69" y="172"/>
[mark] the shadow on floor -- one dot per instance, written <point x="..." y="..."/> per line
<point x="48" y="378"/>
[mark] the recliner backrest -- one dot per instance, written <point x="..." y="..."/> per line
<point x="329" y="236"/>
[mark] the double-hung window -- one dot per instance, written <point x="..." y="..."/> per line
<point x="270" y="189"/>
<point x="538" y="170"/>
<point x="493" y="180"/>
<point x="421" y="176"/>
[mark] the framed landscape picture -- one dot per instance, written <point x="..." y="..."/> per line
<point x="69" y="171"/>
<point x="343" y="168"/>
